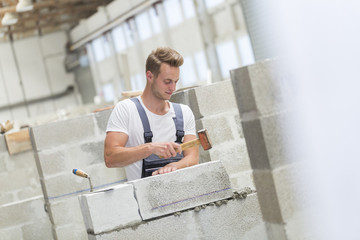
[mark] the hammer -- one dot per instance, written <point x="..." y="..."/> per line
<point x="203" y="140"/>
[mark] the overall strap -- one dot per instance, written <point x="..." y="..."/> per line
<point x="179" y="122"/>
<point x="144" y="119"/>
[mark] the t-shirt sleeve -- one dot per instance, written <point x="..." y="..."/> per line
<point x="119" y="119"/>
<point x="189" y="121"/>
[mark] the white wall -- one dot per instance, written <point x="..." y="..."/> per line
<point x="31" y="69"/>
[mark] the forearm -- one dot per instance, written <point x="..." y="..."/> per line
<point x="187" y="161"/>
<point x="122" y="156"/>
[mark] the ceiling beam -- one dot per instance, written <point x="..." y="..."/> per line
<point x="53" y="23"/>
<point x="51" y="3"/>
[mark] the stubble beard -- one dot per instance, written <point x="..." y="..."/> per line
<point x="158" y="94"/>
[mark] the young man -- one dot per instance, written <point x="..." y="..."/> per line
<point x="125" y="144"/>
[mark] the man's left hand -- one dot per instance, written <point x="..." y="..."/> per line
<point x="166" y="169"/>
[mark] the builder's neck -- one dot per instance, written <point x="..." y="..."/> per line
<point x="155" y="104"/>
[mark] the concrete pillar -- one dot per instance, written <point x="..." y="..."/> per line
<point x="263" y="117"/>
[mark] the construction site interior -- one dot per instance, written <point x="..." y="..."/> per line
<point x="275" y="120"/>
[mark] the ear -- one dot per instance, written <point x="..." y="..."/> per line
<point x="149" y="76"/>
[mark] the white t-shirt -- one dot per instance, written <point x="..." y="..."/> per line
<point x="125" y="118"/>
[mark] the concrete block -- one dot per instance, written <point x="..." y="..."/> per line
<point x="267" y="140"/>
<point x="109" y="209"/>
<point x="276" y="231"/>
<point x="237" y="219"/>
<point x="11" y="233"/>
<point x="3" y="148"/>
<point x="80" y="155"/>
<point x="242" y="179"/>
<point x="218" y="127"/>
<point x="257" y="87"/>
<point x="212" y="99"/>
<point x="39" y="230"/>
<point x="67" y="184"/>
<point x="182" y="189"/>
<point x="7" y="197"/>
<point x="21" y="161"/>
<point x="102" y="118"/>
<point x="268" y="197"/>
<point x="20" y="212"/>
<point x="292" y="194"/>
<point x="239" y="126"/>
<point x="181" y="96"/>
<point x="60" y="214"/>
<point x="16" y="180"/>
<point x="233" y="155"/>
<point x="65" y="132"/>
<point x="33" y="189"/>
<point x="64" y="185"/>
<point x="70" y="231"/>
<point x="52" y="162"/>
<point x="2" y="163"/>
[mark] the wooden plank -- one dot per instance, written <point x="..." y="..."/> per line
<point x="18" y="141"/>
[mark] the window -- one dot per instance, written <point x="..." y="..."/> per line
<point x="201" y="65"/>
<point x="173" y="12"/>
<point x="119" y="38"/>
<point x="143" y="25"/>
<point x="188" y="74"/>
<point x="101" y="48"/>
<point x="212" y="3"/>
<point x="108" y="91"/>
<point x="128" y="34"/>
<point x="246" y="51"/>
<point x="137" y="82"/>
<point x="227" y="57"/>
<point x="155" y="20"/>
<point x="188" y="6"/>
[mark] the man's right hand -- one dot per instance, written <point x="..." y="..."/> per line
<point x="165" y="149"/>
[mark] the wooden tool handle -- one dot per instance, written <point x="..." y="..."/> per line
<point x="187" y="145"/>
<point x="190" y="144"/>
<point x="80" y="173"/>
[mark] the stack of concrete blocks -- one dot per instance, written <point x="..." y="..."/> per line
<point x="262" y="91"/>
<point x="214" y="107"/>
<point x="61" y="147"/>
<point x="191" y="203"/>
<point x="22" y="214"/>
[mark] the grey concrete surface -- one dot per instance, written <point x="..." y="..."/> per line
<point x="257" y="88"/>
<point x="109" y="209"/>
<point x="66" y="132"/>
<point x="190" y="187"/>
<point x="235" y="219"/>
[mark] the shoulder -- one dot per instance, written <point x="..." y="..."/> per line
<point x="186" y="109"/>
<point x="126" y="104"/>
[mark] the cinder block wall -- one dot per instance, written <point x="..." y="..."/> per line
<point x="264" y="114"/>
<point x="22" y="214"/>
<point x="60" y="147"/>
<point x="19" y="179"/>
<point x="191" y="203"/>
<point x="215" y="109"/>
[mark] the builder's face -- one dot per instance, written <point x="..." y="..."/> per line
<point x="164" y="84"/>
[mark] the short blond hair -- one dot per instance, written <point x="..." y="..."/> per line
<point x="163" y="55"/>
